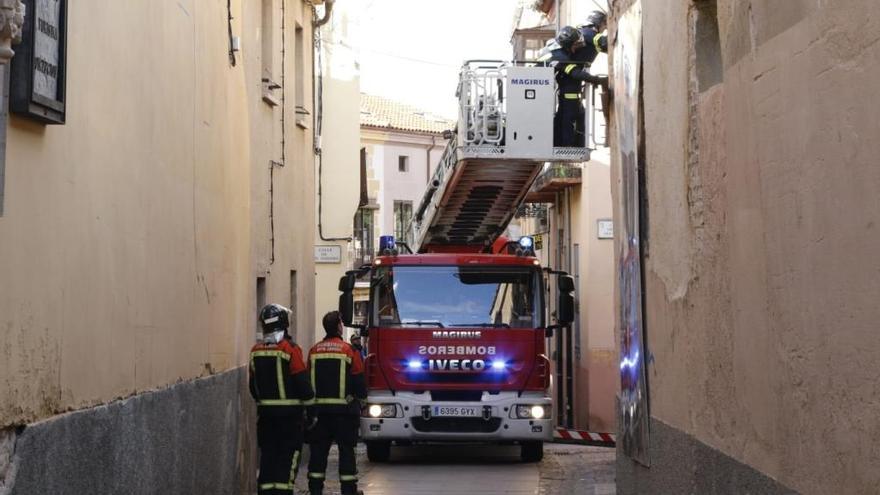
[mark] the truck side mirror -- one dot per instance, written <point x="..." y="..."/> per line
<point x="566" y="283"/>
<point x="565" y="306"/>
<point x="346" y="282"/>
<point x="346" y="299"/>
<point x="565" y="309"/>
<point x="346" y="307"/>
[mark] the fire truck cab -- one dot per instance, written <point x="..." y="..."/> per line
<point x="457" y="350"/>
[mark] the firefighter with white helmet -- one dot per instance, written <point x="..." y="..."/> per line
<point x="279" y="383"/>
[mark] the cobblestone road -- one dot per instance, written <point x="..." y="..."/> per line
<point x="469" y="469"/>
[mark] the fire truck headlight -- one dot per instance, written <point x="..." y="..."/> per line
<point x="526" y="411"/>
<point x="382" y="410"/>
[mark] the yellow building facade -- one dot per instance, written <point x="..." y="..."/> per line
<point x="139" y="238"/>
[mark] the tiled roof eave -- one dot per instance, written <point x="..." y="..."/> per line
<point x="399" y="129"/>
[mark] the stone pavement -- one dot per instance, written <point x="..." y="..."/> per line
<point x="483" y="469"/>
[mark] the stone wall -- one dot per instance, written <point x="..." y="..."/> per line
<point x="182" y="439"/>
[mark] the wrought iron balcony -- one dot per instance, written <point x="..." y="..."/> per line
<point x="552" y="180"/>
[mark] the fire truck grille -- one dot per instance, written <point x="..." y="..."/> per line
<point x="457" y="395"/>
<point x="492" y="380"/>
<point x="455" y="425"/>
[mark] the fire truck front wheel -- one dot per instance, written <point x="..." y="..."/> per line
<point x="531" y="451"/>
<point x="378" y="451"/>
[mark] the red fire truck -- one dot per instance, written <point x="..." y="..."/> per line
<point x="457" y="323"/>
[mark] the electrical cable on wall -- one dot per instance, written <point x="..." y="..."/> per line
<point x="273" y="163"/>
<point x="393" y="55"/>
<point x="229" y="25"/>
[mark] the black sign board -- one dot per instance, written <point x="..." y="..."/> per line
<point x="37" y="87"/>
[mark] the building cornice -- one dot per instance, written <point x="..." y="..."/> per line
<point x="375" y="135"/>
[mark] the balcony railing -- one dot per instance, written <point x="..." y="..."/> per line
<point x="552" y="180"/>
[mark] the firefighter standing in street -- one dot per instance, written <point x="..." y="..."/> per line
<point x="356" y="343"/>
<point x="337" y="375"/>
<point x="280" y="385"/>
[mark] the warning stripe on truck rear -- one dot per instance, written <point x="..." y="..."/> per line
<point x="566" y="435"/>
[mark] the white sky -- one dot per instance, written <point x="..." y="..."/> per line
<point x="410" y="50"/>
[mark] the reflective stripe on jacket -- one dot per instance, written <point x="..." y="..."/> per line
<point x="277" y="378"/>
<point x="337" y="375"/>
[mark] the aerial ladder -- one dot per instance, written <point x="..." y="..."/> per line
<point x="503" y="139"/>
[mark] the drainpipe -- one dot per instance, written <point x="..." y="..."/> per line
<point x="428" y="158"/>
<point x="328" y="9"/>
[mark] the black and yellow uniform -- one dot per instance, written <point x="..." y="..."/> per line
<point x="568" y="122"/>
<point x="571" y="61"/>
<point x="596" y="43"/>
<point x="279" y="383"/>
<point x="337" y="375"/>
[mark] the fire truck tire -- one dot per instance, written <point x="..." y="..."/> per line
<point x="531" y="451"/>
<point x="378" y="451"/>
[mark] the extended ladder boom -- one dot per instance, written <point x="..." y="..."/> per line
<point x="503" y="139"/>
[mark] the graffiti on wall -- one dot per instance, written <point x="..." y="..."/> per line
<point x="633" y="396"/>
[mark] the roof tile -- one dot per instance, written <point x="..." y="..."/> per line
<point x="380" y="112"/>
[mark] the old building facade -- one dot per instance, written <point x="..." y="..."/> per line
<point x="754" y="189"/>
<point x="402" y="146"/>
<point x="139" y="237"/>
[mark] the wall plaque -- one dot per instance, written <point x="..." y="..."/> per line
<point x="39" y="68"/>
<point x="328" y="254"/>
<point x="605" y="228"/>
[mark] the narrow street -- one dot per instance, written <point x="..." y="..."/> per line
<point x="474" y="236"/>
<point x="483" y="469"/>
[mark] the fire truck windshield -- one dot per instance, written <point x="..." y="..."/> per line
<point x="456" y="296"/>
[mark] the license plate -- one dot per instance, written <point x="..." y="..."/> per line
<point x="458" y="411"/>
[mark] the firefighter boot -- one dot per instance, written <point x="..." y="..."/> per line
<point x="316" y="485"/>
<point x="316" y="488"/>
<point x="350" y="488"/>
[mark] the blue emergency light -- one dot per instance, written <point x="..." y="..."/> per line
<point x="386" y="242"/>
<point x="527" y="243"/>
<point x="498" y="365"/>
<point x="414" y="364"/>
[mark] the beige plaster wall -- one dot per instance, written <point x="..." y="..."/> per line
<point x="291" y="203"/>
<point x="340" y="145"/>
<point x="761" y="256"/>
<point x="125" y="244"/>
<point x="597" y="370"/>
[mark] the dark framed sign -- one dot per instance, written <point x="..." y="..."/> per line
<point x="37" y="87"/>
